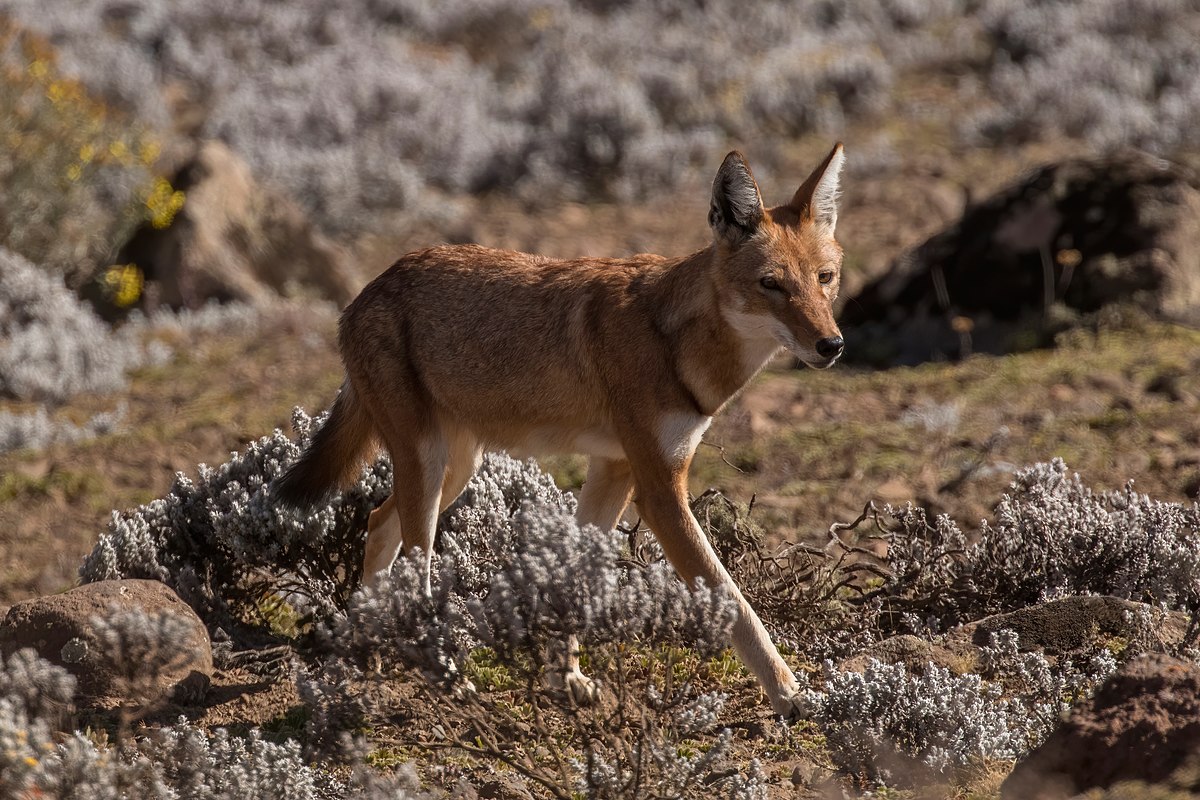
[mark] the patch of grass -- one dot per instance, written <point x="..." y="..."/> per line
<point x="1087" y="401"/>
<point x="281" y="617"/>
<point x="485" y="671"/>
<point x="569" y="472"/>
<point x="290" y="724"/>
<point x="73" y="485"/>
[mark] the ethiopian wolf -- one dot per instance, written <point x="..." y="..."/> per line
<point x="459" y="349"/>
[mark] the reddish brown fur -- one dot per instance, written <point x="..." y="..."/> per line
<point x="458" y="349"/>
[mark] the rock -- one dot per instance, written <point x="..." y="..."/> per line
<point x="234" y="239"/>
<point x="915" y="654"/>
<point x="1072" y="623"/>
<point x="1142" y="725"/>
<point x="1115" y="230"/>
<point x="61" y="629"/>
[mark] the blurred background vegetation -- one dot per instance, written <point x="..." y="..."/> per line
<point x="273" y="157"/>
<point x="190" y="190"/>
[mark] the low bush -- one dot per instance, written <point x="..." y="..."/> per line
<point x="172" y="762"/>
<point x="1111" y="72"/>
<point x="471" y="660"/>
<point x="889" y="725"/>
<point x="75" y="177"/>
<point x="53" y="346"/>
<point x="225" y="546"/>
<point x="1051" y="537"/>
<point x="547" y="99"/>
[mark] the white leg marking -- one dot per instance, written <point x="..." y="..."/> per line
<point x="387" y="534"/>
<point x="679" y="434"/>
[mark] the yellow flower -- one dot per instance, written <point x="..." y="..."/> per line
<point x="118" y="149"/>
<point x="38" y="68"/>
<point x="163" y="203"/>
<point x="124" y="283"/>
<point x="57" y="92"/>
<point x="148" y="151"/>
<point x="31" y="761"/>
<point x="74" y="172"/>
<point x="87" y="153"/>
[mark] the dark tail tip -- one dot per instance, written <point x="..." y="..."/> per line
<point x="329" y="460"/>
<point x="301" y="487"/>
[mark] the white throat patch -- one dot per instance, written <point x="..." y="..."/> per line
<point x="761" y="335"/>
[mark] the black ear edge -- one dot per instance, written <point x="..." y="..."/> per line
<point x="736" y="201"/>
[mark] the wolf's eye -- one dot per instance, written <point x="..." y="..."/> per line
<point x="768" y="282"/>
<point x="825" y="276"/>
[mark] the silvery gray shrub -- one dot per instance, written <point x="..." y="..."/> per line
<point x="547" y="99"/>
<point x="553" y="579"/>
<point x="1111" y="72"/>
<point x="550" y="579"/>
<point x="1051" y="536"/>
<point x="41" y="757"/>
<point x="52" y="345"/>
<point x="37" y="429"/>
<point x="552" y="99"/>
<point x="208" y="537"/>
<point x="885" y="721"/>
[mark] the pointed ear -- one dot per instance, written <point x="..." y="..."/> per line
<point x="816" y="199"/>
<point x="737" y="207"/>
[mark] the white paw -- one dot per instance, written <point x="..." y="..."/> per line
<point x="462" y="689"/>
<point x="793" y="707"/>
<point x="573" y="683"/>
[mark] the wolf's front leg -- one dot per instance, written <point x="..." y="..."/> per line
<point x="662" y="501"/>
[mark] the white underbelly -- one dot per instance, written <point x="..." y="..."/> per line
<point x="549" y="441"/>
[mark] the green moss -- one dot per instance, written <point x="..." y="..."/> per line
<point x="488" y="675"/>
<point x="281" y="617"/>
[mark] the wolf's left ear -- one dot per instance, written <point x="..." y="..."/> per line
<point x="737" y="207"/>
<point x="816" y="199"/>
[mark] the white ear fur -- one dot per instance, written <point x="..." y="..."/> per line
<point x="737" y="207"/>
<point x="817" y="197"/>
<point x="825" y="194"/>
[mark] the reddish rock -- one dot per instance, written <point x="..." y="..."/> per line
<point x="1143" y="724"/>
<point x="1070" y="624"/>
<point x="235" y="239"/>
<point x="916" y="655"/>
<point x="61" y="628"/>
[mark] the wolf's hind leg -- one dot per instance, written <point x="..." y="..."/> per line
<point x="419" y="468"/>
<point x="602" y="501"/>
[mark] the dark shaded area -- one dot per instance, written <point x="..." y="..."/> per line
<point x="1073" y="238"/>
<point x="1142" y="724"/>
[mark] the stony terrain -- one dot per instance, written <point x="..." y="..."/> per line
<point x="1020" y="286"/>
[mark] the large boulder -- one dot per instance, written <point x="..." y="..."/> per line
<point x="1142" y="725"/>
<point x="126" y="641"/>
<point x="1072" y="624"/>
<point x="1072" y="238"/>
<point x="234" y="239"/>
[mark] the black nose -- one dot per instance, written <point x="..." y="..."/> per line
<point x="831" y="347"/>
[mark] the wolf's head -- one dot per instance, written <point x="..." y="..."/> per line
<point x="779" y="269"/>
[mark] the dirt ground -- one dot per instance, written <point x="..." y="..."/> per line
<point x="805" y="448"/>
<point x="810" y="447"/>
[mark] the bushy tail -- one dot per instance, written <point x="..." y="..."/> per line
<point x="331" y="458"/>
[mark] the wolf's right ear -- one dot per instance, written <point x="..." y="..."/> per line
<point x="737" y="207"/>
<point x="816" y="199"/>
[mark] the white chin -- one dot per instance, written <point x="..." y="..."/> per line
<point x="815" y="361"/>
